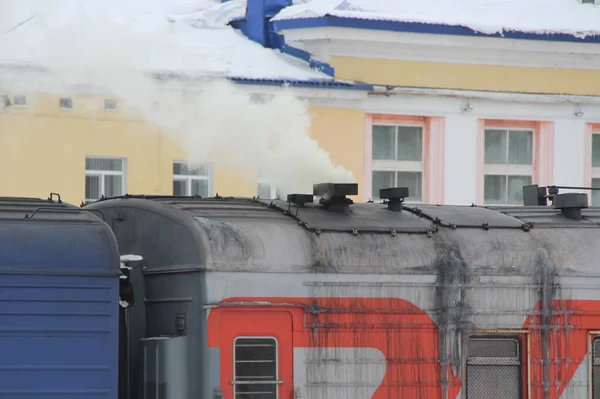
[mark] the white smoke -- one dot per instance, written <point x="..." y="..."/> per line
<point x="110" y="46"/>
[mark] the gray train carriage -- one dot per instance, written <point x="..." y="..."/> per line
<point x="246" y="298"/>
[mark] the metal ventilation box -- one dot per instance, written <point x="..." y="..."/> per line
<point x="166" y="374"/>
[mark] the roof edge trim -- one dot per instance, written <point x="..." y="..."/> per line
<point x="421" y="27"/>
<point x="318" y="84"/>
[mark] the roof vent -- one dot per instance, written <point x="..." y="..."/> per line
<point x="533" y="195"/>
<point x="395" y="197"/>
<point x="571" y="204"/>
<point x="300" y="199"/>
<point x="333" y="195"/>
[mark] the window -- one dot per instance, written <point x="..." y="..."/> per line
<point x="508" y="165"/>
<point x="255" y="368"/>
<point x="398" y="159"/>
<point x="191" y="179"/>
<point x="494" y="368"/>
<point x="20" y="101"/>
<point x="66" y="103"/>
<point x="266" y="191"/>
<point x="596" y="368"/>
<point x="104" y="177"/>
<point x="596" y="168"/>
<point x="5" y="101"/>
<point x="110" y="105"/>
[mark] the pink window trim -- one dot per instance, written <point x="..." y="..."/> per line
<point x="368" y="160"/>
<point x="590" y="129"/>
<point x="543" y="150"/>
<point x="433" y="162"/>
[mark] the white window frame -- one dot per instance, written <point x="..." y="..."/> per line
<point x="188" y="179"/>
<point x="102" y="173"/>
<point x="595" y="171"/>
<point x="507" y="169"/>
<point x="277" y="382"/>
<point x="383" y="165"/>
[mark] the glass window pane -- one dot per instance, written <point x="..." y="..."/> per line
<point x="179" y="187"/>
<point x="520" y="147"/>
<point x="92" y="187"/>
<point x="494" y="368"/>
<point x="596" y="150"/>
<point x="410" y="143"/>
<point x="104" y="164"/>
<point x="495" y="146"/>
<point x="187" y="169"/>
<point x="383" y="142"/>
<point x="200" y="187"/>
<point x="596" y="193"/>
<point x="255" y="361"/>
<point x="264" y="190"/>
<point x="515" y="188"/>
<point x="412" y="180"/>
<point x="494" y="189"/>
<point x="113" y="185"/>
<point x="177" y="168"/>
<point x="382" y="180"/>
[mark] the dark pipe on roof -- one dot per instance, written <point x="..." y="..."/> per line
<point x="395" y="197"/>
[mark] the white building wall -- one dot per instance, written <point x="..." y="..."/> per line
<point x="569" y="152"/>
<point x="460" y="160"/>
<point x="460" y="163"/>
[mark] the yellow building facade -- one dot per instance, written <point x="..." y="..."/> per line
<point x="51" y="146"/>
<point x="450" y="85"/>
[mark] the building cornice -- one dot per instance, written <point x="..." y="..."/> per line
<point x="33" y="79"/>
<point x="323" y="43"/>
<point x="413" y="100"/>
<point x="478" y="104"/>
<point x="279" y="25"/>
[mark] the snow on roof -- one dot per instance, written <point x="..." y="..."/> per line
<point x="485" y="16"/>
<point x="181" y="36"/>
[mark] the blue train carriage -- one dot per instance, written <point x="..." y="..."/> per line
<point x="59" y="301"/>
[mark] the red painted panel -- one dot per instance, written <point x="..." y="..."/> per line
<point x="233" y="323"/>
<point x="568" y="344"/>
<point x="405" y="334"/>
<point x="407" y="337"/>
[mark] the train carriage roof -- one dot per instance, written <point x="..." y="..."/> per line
<point x="243" y="234"/>
<point x="50" y="236"/>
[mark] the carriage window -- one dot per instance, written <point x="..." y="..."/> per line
<point x="494" y="368"/>
<point x="255" y="368"/>
<point x="596" y="368"/>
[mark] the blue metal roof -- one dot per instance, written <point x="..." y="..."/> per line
<point x="420" y="27"/>
<point x="47" y="237"/>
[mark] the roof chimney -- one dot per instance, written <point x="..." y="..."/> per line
<point x="571" y="204"/>
<point x="533" y="195"/>
<point x="258" y="14"/>
<point x="333" y="195"/>
<point x="300" y="199"/>
<point x="395" y="197"/>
